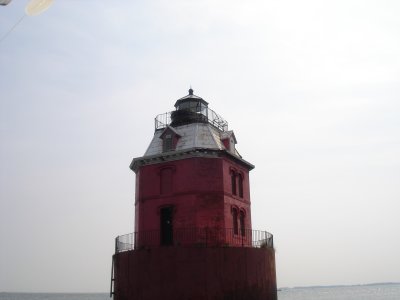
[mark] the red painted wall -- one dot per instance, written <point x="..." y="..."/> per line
<point x="201" y="194"/>
<point x="231" y="200"/>
<point x="177" y="273"/>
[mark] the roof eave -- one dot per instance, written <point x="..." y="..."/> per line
<point x="192" y="152"/>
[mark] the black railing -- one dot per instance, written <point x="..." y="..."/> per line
<point x="195" y="237"/>
<point x="206" y="116"/>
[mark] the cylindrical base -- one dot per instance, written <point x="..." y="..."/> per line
<point x="179" y="273"/>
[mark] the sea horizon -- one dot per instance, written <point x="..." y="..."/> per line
<point x="367" y="291"/>
<point x="279" y="288"/>
<point x="339" y="285"/>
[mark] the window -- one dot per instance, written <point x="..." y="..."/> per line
<point x="241" y="220"/>
<point x="169" y="139"/>
<point x="167" y="143"/>
<point x="240" y="177"/>
<point x="193" y="106"/>
<point x="235" y="221"/>
<point x="233" y="181"/>
<point x="166" y="181"/>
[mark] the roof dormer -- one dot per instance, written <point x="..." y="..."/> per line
<point x="169" y="138"/>
<point x="229" y="140"/>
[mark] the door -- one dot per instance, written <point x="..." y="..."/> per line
<point x="166" y="229"/>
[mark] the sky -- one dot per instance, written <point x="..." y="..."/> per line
<point x="311" y="89"/>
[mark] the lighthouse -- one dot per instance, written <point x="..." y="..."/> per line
<point x="193" y="236"/>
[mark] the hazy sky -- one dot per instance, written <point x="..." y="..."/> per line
<point x="311" y="89"/>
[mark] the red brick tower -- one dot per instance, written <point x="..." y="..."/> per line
<point x="193" y="237"/>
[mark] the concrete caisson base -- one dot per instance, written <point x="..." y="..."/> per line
<point x="178" y="273"/>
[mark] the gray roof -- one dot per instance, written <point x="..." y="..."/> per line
<point x="195" y="135"/>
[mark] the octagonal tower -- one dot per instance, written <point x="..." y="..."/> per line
<point x="192" y="214"/>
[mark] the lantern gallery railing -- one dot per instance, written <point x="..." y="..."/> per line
<point x="194" y="237"/>
<point x="185" y="117"/>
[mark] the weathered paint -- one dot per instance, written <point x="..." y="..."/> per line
<point x="178" y="273"/>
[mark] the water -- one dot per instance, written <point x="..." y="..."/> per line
<point x="48" y="296"/>
<point x="358" y="292"/>
<point x="362" y="292"/>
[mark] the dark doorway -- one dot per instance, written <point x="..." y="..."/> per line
<point x="166" y="229"/>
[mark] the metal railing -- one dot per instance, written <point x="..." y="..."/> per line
<point x="194" y="237"/>
<point x="211" y="117"/>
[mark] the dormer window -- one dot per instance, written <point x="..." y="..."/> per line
<point x="170" y="139"/>
<point x="167" y="143"/>
<point x="228" y="139"/>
